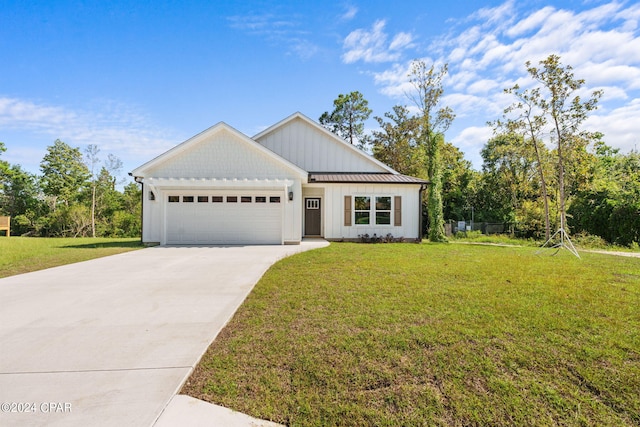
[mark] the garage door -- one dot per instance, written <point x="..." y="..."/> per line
<point x="229" y="219"/>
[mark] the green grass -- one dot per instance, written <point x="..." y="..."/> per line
<point x="456" y="335"/>
<point x="24" y="254"/>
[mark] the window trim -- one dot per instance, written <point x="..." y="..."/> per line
<point x="373" y="211"/>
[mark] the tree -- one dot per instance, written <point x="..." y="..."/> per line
<point x="91" y="153"/>
<point x="510" y="188"/>
<point x="348" y="117"/>
<point x="396" y="143"/>
<point x="459" y="180"/>
<point x="4" y="170"/>
<point x="63" y="173"/>
<point x="553" y="108"/>
<point x="530" y="126"/>
<point x="566" y="111"/>
<point x="609" y="206"/>
<point x="434" y="120"/>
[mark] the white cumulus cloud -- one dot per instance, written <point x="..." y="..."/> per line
<point x="373" y="46"/>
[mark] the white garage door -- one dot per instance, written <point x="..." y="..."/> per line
<point x="224" y="218"/>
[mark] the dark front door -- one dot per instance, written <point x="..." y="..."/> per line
<point x="312" y="216"/>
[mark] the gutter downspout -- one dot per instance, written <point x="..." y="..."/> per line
<point x="422" y="188"/>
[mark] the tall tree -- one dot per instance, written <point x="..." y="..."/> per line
<point x="459" y="180"/>
<point x="4" y="172"/>
<point x="347" y="119"/>
<point x="91" y="155"/>
<point x="396" y="144"/>
<point x="434" y="120"/>
<point x="529" y="121"/>
<point x="63" y="173"/>
<point x="566" y="111"/>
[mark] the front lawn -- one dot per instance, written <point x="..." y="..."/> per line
<point x="406" y="334"/>
<point x="24" y="254"/>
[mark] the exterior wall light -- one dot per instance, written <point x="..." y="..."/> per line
<point x="290" y="195"/>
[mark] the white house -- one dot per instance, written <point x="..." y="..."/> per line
<point x="293" y="180"/>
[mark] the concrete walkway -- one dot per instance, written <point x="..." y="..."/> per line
<point x="109" y="342"/>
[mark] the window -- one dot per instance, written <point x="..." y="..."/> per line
<point x="274" y="199"/>
<point x="313" y="203"/>
<point x="174" y="199"/>
<point x="367" y="213"/>
<point x="245" y="199"/>
<point x="216" y="199"/>
<point x="362" y="210"/>
<point x="187" y="199"/>
<point x="203" y="199"/>
<point x="383" y="210"/>
<point x="232" y="199"/>
<point x="261" y="199"/>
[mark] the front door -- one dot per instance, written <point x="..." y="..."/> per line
<point x="312" y="217"/>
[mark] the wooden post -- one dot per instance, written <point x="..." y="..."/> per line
<point x="5" y="224"/>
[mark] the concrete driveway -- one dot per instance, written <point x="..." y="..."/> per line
<point x="109" y="342"/>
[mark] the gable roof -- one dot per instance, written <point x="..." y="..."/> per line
<point x="335" y="138"/>
<point x="141" y="171"/>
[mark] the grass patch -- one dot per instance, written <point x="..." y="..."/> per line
<point x="409" y="334"/>
<point x="25" y="254"/>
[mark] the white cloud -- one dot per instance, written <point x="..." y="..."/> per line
<point x="279" y="30"/>
<point x="350" y="13"/>
<point x="619" y="126"/>
<point x="115" y="128"/>
<point x="531" y="22"/>
<point x="471" y="140"/>
<point x="487" y="53"/>
<point x="372" y="46"/>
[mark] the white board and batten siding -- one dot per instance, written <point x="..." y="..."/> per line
<point x="313" y="149"/>
<point x="335" y="227"/>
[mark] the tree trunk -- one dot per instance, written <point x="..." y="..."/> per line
<point x="543" y="185"/>
<point x="563" y="219"/>
<point x="93" y="212"/>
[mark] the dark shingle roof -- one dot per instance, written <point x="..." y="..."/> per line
<point x="363" y="177"/>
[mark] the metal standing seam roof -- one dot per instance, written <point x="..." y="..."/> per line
<point x="363" y="177"/>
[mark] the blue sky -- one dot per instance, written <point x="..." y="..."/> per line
<point x="137" y="78"/>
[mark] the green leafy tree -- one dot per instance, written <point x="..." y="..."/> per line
<point x="104" y="197"/>
<point x="4" y="170"/>
<point x="20" y="200"/>
<point x="434" y="120"/>
<point x="347" y="119"/>
<point x="529" y="122"/>
<point x="396" y="143"/>
<point x="92" y="160"/>
<point x="127" y="221"/>
<point x="609" y="206"/>
<point x="551" y="113"/>
<point x="459" y="182"/>
<point x="510" y="185"/>
<point x="566" y="111"/>
<point x="63" y="173"/>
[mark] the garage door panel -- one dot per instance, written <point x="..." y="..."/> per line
<point x="224" y="223"/>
